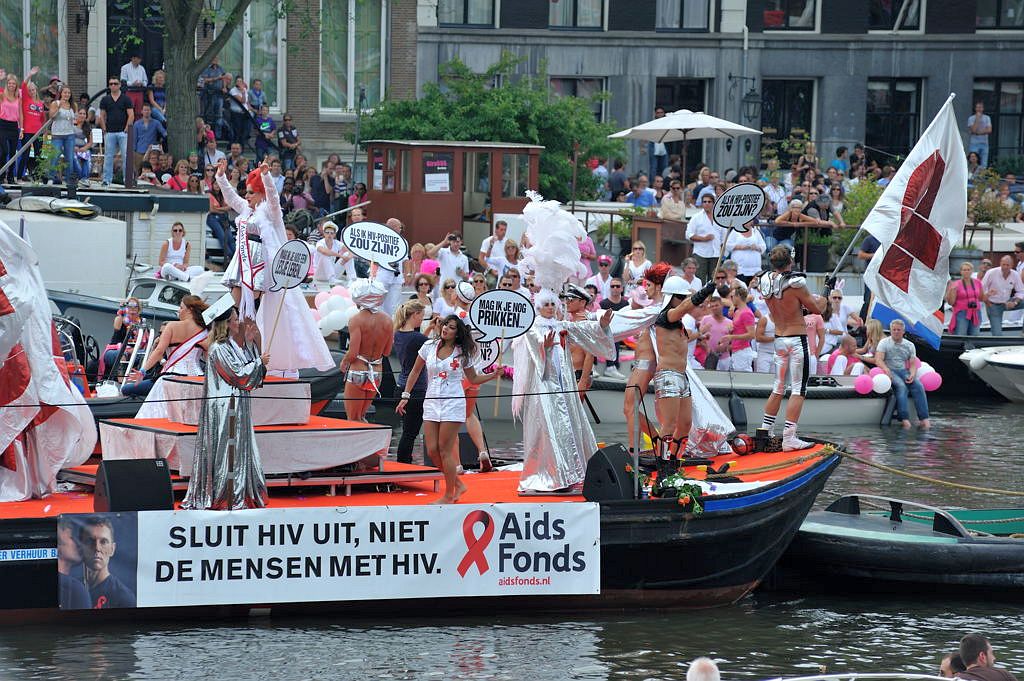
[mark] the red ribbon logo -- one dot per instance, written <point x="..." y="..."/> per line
<point x="475" y="546"/>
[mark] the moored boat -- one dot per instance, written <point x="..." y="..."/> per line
<point x="957" y="379"/>
<point x="906" y="544"/>
<point x="1002" y="368"/>
<point x="710" y="550"/>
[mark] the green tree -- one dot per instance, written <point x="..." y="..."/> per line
<point x="465" y="106"/>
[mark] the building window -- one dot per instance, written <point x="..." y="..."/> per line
<point x="787" y="109"/>
<point x="683" y="15"/>
<point x="893" y="119"/>
<point x="465" y="13"/>
<point x="515" y="175"/>
<point x="255" y="49"/>
<point x="584" y="88"/>
<point x="29" y="37"/>
<point x="1004" y="104"/>
<point x="577" y="14"/>
<point x="351" y="53"/>
<point x="790" y="14"/>
<point x="895" y="15"/>
<point x="1000" y="14"/>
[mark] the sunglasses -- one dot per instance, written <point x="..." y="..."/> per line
<point x="478" y="281"/>
<point x="423" y="283"/>
<point x="637" y="248"/>
<point x="112" y="84"/>
<point x="720" y="278"/>
<point x="449" y="286"/>
<point x="287" y="120"/>
<point x="606" y="264"/>
<point x="177" y="231"/>
<point x="615" y="286"/>
<point x="836" y="297"/>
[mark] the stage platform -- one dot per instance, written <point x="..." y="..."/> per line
<point x="318" y="444"/>
<point x="279" y="401"/>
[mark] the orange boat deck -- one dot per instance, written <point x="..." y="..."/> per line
<point x="486" y="488"/>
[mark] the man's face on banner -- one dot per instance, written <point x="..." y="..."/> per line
<point x="98" y="547"/>
<point x="67" y="548"/>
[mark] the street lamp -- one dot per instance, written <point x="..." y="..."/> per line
<point x="751" y="102"/>
<point x="82" y="18"/>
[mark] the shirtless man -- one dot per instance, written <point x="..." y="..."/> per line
<point x="644" y="361"/>
<point x="671" y="387"/>
<point x="371" y="334"/>
<point x="785" y="292"/>
<point x="576" y="300"/>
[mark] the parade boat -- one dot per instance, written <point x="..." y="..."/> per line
<point x="831" y="400"/>
<point x="708" y="550"/>
<point x="903" y="544"/>
<point x="957" y="379"/>
<point x="1001" y="368"/>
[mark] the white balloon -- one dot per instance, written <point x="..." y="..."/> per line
<point x="335" y="320"/>
<point x="925" y="368"/>
<point x="979" y="361"/>
<point x="332" y="304"/>
<point x="325" y="330"/>
<point x="881" y="383"/>
<point x="346" y="316"/>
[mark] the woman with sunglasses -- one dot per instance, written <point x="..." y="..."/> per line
<point x="448" y="362"/>
<point x="837" y="193"/>
<point x="175" y="254"/>
<point x="479" y="284"/>
<point x="125" y="328"/>
<point x="447" y="303"/>
<point x="673" y="205"/>
<point x="636" y="265"/>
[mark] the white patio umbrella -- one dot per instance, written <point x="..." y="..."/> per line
<point x="685" y="125"/>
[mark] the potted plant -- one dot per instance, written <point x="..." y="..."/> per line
<point x="817" y="250"/>
<point x="617" y="239"/>
<point x="984" y="207"/>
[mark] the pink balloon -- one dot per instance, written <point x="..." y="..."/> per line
<point x="916" y="363"/>
<point x="875" y="371"/>
<point x="321" y="298"/>
<point x="931" y="381"/>
<point x="316" y="314"/>
<point x="863" y="384"/>
<point x="338" y="290"/>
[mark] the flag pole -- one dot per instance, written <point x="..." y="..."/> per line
<point x="847" y="253"/>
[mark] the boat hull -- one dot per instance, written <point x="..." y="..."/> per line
<point x="873" y="548"/>
<point x="1001" y="368"/>
<point x="957" y="379"/>
<point x="653" y="554"/>
<point x="826" y="406"/>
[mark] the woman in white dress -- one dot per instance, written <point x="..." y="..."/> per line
<point x="286" y="324"/>
<point x="184" y="344"/>
<point x="175" y="254"/>
<point x="636" y="265"/>
<point x="449" y="360"/>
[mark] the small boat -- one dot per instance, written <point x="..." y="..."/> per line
<point x="905" y="543"/>
<point x="831" y="400"/>
<point x="957" y="379"/>
<point x="1002" y="368"/>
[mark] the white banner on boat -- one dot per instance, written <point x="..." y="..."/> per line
<point x="362" y="553"/>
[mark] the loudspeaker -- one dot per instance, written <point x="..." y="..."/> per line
<point x="607" y="478"/>
<point x="133" y="485"/>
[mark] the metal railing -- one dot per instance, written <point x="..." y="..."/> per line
<point x="25" y="147"/>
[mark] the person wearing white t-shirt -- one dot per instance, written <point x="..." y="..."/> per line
<point x="453" y="262"/>
<point x="693" y="333"/>
<point x="706" y="237"/>
<point x="392" y="280"/>
<point x="746" y="251"/>
<point x="494" y="247"/>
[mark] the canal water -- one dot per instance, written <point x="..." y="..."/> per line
<point x="798" y="630"/>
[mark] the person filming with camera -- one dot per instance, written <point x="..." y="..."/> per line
<point x="454" y="263"/>
<point x="966" y="295"/>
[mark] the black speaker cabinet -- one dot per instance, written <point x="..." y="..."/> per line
<point x="133" y="485"/>
<point x="607" y="478"/>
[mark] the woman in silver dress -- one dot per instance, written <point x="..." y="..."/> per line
<point x="223" y="477"/>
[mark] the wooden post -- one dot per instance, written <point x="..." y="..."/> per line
<point x="497" y="382"/>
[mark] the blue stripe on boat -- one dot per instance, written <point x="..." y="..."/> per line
<point x="769" y="494"/>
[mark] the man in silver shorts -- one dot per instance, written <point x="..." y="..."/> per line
<point x="785" y="292"/>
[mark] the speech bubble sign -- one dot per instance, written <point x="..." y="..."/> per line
<point x="489" y="350"/>
<point x="290" y="266"/>
<point x="376" y="243"/>
<point x="739" y="206"/>
<point x="501" y="313"/>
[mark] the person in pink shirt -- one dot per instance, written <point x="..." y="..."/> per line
<point x="815" y="339"/>
<point x="743" y="327"/>
<point x="714" y="328"/>
<point x="966" y="295"/>
<point x="1004" y="291"/>
<point x="588" y="254"/>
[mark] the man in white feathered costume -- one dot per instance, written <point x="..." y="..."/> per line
<point x="557" y="438"/>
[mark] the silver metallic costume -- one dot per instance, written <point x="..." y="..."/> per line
<point x="557" y="439"/>
<point x="791" y="356"/>
<point x="231" y="371"/>
<point x="671" y="383"/>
